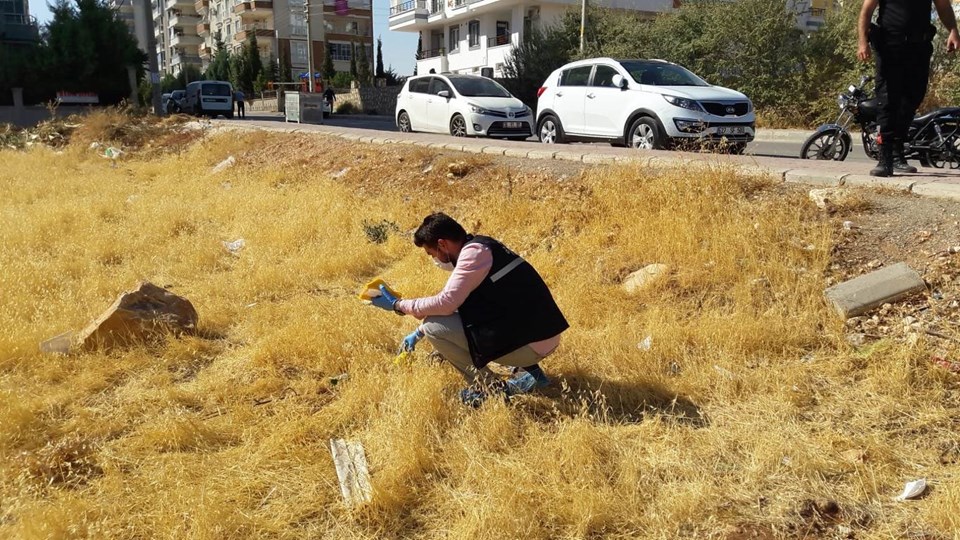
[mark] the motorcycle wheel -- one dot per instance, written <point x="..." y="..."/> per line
<point x="945" y="158"/>
<point x="870" y="145"/>
<point x="828" y="145"/>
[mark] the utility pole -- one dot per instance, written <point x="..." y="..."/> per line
<point x="583" y="21"/>
<point x="152" y="64"/>
<point x="306" y="11"/>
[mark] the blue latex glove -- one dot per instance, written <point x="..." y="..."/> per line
<point x="385" y="300"/>
<point x="409" y="343"/>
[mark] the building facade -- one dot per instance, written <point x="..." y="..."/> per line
<point x="187" y="31"/>
<point x="464" y="36"/>
<point x="17" y="27"/>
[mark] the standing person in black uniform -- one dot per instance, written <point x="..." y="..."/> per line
<point x="902" y="39"/>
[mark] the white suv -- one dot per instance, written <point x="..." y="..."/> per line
<point x="461" y="105"/>
<point x="648" y="104"/>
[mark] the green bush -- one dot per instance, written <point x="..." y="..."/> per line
<point x="347" y="107"/>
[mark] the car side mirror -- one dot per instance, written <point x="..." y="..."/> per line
<point x="620" y="82"/>
<point x="444" y="94"/>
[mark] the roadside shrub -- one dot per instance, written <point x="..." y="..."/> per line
<point x="347" y="107"/>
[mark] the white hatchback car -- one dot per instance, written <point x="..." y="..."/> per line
<point x="461" y="105"/>
<point x="649" y="104"/>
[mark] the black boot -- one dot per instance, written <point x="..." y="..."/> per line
<point x="899" y="163"/>
<point x="885" y="165"/>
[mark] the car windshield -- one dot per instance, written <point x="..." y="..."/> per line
<point x="661" y="74"/>
<point x="215" y="89"/>
<point x="478" y="87"/>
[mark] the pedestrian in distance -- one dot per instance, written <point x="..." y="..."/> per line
<point x="239" y="97"/>
<point x="495" y="307"/>
<point x="902" y="41"/>
<point x="330" y="97"/>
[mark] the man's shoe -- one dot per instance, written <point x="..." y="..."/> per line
<point x="899" y="163"/>
<point x="884" y="167"/>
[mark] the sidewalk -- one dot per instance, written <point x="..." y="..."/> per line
<point x="927" y="182"/>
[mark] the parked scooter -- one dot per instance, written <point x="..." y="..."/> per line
<point x="933" y="138"/>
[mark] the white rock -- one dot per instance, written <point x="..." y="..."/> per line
<point x="644" y="278"/>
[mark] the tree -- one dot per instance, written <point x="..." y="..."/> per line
<point x="381" y="72"/>
<point x="240" y="72"/>
<point x="363" y="65"/>
<point x="219" y="67"/>
<point x="531" y="62"/>
<point x="353" y="60"/>
<point x="419" y="54"/>
<point x="255" y="63"/>
<point x="283" y="70"/>
<point x="87" y="49"/>
<point x="328" y="70"/>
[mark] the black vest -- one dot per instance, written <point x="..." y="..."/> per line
<point x="511" y="308"/>
<point x="906" y="20"/>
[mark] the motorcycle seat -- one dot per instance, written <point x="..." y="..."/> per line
<point x="923" y="119"/>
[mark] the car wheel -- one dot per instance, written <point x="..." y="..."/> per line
<point x="458" y="126"/>
<point x="403" y="123"/>
<point x="550" y="131"/>
<point x="230" y="115"/>
<point x="644" y="135"/>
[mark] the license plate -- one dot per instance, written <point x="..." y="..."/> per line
<point x="513" y="125"/>
<point x="731" y="130"/>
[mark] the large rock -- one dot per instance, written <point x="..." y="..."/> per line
<point x="138" y="315"/>
<point x="645" y="277"/>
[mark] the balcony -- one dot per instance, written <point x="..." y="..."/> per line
<point x="254" y="8"/>
<point x="185" y="59"/>
<point x="17" y="28"/>
<point x="433" y="53"/>
<point x="818" y="12"/>
<point x="247" y="30"/>
<point x="203" y="28"/>
<point x="179" y="4"/>
<point x="201" y="5"/>
<point x="498" y="41"/>
<point x="408" y="6"/>
<point x="205" y="51"/>
<point x="183" y="39"/>
<point x="184" y="20"/>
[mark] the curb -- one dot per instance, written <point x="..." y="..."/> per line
<point x="948" y="188"/>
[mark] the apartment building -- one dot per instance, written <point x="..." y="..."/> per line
<point x="812" y="14"/>
<point x="464" y="36"/>
<point x="17" y="27"/>
<point x="133" y="13"/>
<point x="281" y="29"/>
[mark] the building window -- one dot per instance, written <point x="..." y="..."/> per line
<point x="298" y="53"/>
<point x="353" y="27"/>
<point x="341" y="51"/>
<point x="474" y="33"/>
<point x="454" y="38"/>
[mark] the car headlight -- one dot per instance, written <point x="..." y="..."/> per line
<point x="477" y="109"/>
<point x="683" y="103"/>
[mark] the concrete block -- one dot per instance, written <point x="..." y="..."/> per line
<point x="517" y="152"/>
<point x="776" y="174"/>
<point x="899" y="183"/>
<point x="457" y="147"/>
<point x="599" y="159"/>
<point x="437" y="145"/>
<point x="495" y="150"/>
<point x="566" y="155"/>
<point x="860" y="295"/>
<point x="813" y="177"/>
<point x="541" y="154"/>
<point x="365" y="139"/>
<point x="938" y="189"/>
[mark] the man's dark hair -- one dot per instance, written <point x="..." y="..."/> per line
<point x="438" y="226"/>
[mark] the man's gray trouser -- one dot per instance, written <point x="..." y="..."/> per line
<point x="447" y="336"/>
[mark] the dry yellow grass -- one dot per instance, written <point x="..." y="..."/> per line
<point x="719" y="431"/>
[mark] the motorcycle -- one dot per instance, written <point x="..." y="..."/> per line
<point x="933" y="138"/>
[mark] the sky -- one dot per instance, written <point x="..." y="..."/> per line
<point x="399" y="48"/>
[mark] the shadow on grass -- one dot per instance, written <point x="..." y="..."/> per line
<point x="583" y="395"/>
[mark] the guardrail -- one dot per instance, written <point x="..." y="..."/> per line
<point x="496" y="41"/>
<point x="433" y="53"/>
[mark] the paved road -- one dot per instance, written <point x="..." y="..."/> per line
<point x="786" y="145"/>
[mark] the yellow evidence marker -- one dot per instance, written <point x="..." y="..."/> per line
<point x="372" y="290"/>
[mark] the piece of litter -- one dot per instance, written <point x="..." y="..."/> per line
<point x="849" y="225"/>
<point x="235" y="246"/>
<point x="340" y="173"/>
<point x="225" y="164"/>
<point x="808" y="358"/>
<point x="251" y="305"/>
<point x="343" y="377"/>
<point x="94" y="145"/>
<point x="112" y="152"/>
<point x="912" y="490"/>
<point x="352" y="472"/>
<point x="646" y="344"/>
<point x="59" y="344"/>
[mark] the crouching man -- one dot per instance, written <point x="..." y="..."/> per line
<point x="495" y="307"/>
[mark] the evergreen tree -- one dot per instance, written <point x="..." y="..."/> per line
<point x="254" y="62"/>
<point x="381" y="72"/>
<point x="363" y="65"/>
<point x="283" y="74"/>
<point x="353" y="61"/>
<point x="328" y="70"/>
<point x="219" y="67"/>
<point x="419" y="50"/>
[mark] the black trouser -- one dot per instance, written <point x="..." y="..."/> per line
<point x="903" y="69"/>
<point x="240" y="111"/>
